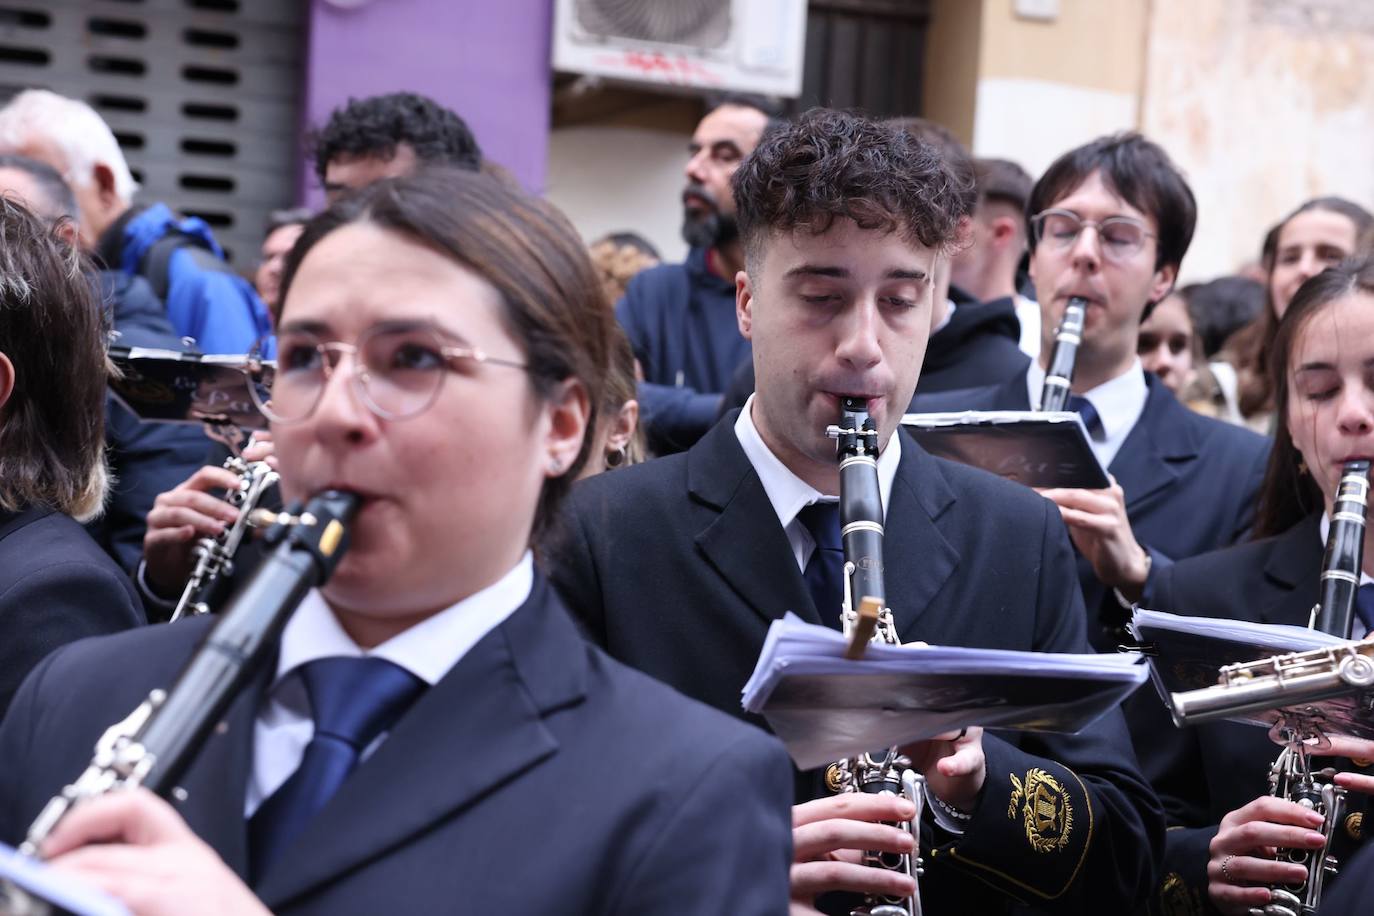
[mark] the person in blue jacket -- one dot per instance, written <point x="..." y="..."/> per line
<point x="145" y="458"/>
<point x="204" y="298"/>
<point x="680" y="318"/>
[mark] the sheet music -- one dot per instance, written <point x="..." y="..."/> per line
<point x="824" y="706"/>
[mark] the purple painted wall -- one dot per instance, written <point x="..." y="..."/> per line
<point x="488" y="60"/>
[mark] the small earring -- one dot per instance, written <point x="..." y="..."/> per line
<point x="1302" y="466"/>
<point x="555" y="467"/>
<point x="616" y="458"/>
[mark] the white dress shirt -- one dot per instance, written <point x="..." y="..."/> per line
<point x="427" y="650"/>
<point x="1359" y="631"/>
<point x="1028" y="314"/>
<point x="1119" y="403"/>
<point x="789" y="494"/>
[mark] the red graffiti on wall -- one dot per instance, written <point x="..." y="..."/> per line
<point x="678" y="69"/>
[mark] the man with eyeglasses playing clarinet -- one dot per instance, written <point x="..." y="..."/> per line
<point x="845" y="223"/>
<point x="1110" y="222"/>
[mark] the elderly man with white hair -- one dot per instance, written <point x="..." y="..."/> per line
<point x="205" y="299"/>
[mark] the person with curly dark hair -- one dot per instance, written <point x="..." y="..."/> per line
<point x="842" y="221"/>
<point x="385" y="136"/>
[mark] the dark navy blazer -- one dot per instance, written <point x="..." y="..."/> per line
<point x="56" y="586"/>
<point x="1190" y="483"/>
<point x="678" y="567"/>
<point x="1204" y="772"/>
<point x="538" y="776"/>
<point x="680" y="319"/>
<point x="145" y="458"/>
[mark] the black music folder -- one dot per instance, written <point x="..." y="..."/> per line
<point x="1036" y="449"/>
<point x="1188" y="653"/>
<point x="169" y="386"/>
<point x="824" y="706"/>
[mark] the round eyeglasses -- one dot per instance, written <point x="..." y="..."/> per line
<point x="1120" y="237"/>
<point x="398" y="371"/>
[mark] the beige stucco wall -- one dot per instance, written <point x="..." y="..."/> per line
<point x="1037" y="87"/>
<point x="1264" y="103"/>
<point x="953" y="49"/>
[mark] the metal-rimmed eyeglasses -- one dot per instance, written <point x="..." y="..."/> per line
<point x="1120" y="237"/>
<point x="398" y="370"/>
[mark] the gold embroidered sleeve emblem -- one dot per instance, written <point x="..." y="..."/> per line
<point x="1045" y="810"/>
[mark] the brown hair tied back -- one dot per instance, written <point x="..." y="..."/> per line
<point x="521" y="245"/>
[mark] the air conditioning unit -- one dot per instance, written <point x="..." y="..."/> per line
<point x="723" y="45"/>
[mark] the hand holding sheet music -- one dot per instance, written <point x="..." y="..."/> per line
<point x="824" y="706"/>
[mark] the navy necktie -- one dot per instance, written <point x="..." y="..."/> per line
<point x="824" y="572"/>
<point x="353" y="700"/>
<point x="1091" y="418"/>
<point x="1364" y="606"/>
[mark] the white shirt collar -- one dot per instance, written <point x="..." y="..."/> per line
<point x="1119" y="403"/>
<point x="787" y="492"/>
<point x="1325" y="529"/>
<point x="427" y="650"/>
<point x="949" y="316"/>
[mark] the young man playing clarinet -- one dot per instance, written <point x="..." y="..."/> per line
<point x="1110" y="222"/>
<point x="679" y="566"/>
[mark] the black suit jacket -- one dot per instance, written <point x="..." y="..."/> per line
<point x="1204" y="772"/>
<point x="678" y="567"/>
<point x="1190" y="483"/>
<point x="146" y="458"/>
<point x="56" y="586"/>
<point x="538" y="776"/>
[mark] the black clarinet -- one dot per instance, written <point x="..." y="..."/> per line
<point x="1291" y="776"/>
<point x="155" y="744"/>
<point x="1054" y="396"/>
<point x="1335" y="613"/>
<point x="861" y="504"/>
<point x="861" y="533"/>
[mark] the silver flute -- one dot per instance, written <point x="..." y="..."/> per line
<point x="154" y="745"/>
<point x="861" y="531"/>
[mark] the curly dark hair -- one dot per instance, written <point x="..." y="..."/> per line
<point x="375" y="125"/>
<point x="829" y="165"/>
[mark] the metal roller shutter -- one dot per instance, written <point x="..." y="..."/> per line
<point x="203" y="95"/>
